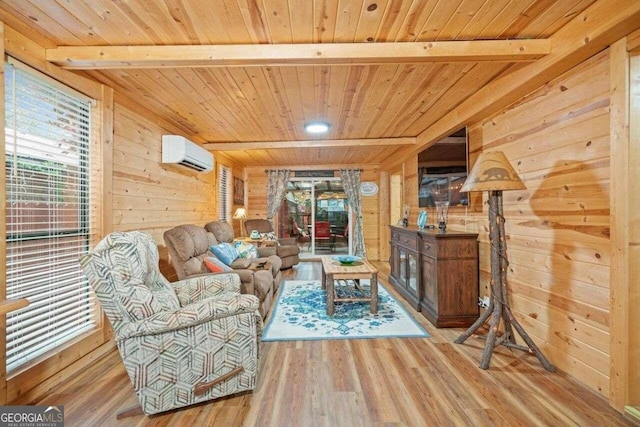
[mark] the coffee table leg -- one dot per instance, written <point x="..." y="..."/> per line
<point x="330" y="294"/>
<point x="324" y="279"/>
<point x="374" y="293"/>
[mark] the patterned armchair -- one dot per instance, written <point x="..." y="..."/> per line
<point x="181" y="343"/>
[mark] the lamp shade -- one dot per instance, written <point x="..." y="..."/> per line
<point x="240" y="213"/>
<point x="492" y="171"/>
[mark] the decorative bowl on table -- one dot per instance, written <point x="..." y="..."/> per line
<point x="346" y="259"/>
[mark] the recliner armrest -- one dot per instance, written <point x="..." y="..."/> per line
<point x="203" y="286"/>
<point x="225" y="305"/>
<point x="265" y="251"/>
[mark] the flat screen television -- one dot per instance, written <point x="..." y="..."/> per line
<point x="442" y="169"/>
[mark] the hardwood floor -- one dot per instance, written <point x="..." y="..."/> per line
<point x="402" y="382"/>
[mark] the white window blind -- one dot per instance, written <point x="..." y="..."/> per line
<point x="47" y="133"/>
<point x="224" y="194"/>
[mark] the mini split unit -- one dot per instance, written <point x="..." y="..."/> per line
<point x="177" y="149"/>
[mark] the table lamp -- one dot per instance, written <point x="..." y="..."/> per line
<point x="492" y="172"/>
<point x="241" y="214"/>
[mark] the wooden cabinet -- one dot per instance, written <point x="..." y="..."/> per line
<point x="449" y="265"/>
<point x="447" y="271"/>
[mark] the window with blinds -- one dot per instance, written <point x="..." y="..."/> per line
<point x="224" y="194"/>
<point x="47" y="131"/>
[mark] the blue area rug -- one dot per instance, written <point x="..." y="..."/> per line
<point x="301" y="314"/>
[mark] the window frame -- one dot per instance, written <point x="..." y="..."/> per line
<point x="48" y="193"/>
<point x="225" y="187"/>
<point x="52" y="368"/>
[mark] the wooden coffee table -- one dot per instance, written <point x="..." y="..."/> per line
<point x="333" y="271"/>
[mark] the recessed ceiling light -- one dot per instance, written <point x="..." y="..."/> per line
<point x="316" y="127"/>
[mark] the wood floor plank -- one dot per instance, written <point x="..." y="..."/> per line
<point x="413" y="406"/>
<point x="368" y="382"/>
<point x="344" y="366"/>
<point x="373" y="384"/>
<point x="319" y="392"/>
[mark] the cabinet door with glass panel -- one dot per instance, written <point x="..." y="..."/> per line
<point x="409" y="271"/>
<point x="404" y="265"/>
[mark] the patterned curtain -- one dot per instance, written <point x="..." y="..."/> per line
<point x="351" y="184"/>
<point x="276" y="190"/>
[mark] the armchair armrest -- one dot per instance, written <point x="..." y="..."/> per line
<point x="225" y="305"/>
<point x="194" y="289"/>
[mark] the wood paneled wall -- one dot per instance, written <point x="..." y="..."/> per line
<point x="559" y="250"/>
<point x="633" y="249"/>
<point x="557" y="138"/>
<point x="625" y="225"/>
<point x="151" y="196"/>
<point x="371" y="210"/>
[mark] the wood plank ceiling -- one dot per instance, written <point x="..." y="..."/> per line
<point x="271" y="103"/>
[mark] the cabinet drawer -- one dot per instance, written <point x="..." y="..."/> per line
<point x="408" y="241"/>
<point x="429" y="248"/>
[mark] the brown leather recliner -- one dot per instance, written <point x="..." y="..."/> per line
<point x="188" y="247"/>
<point x="223" y="232"/>
<point x="287" y="248"/>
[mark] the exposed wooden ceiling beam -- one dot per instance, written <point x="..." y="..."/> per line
<point x="588" y="33"/>
<point x="105" y="57"/>
<point x="314" y="143"/>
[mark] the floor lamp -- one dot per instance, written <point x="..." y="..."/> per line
<point x="241" y="214"/>
<point x="492" y="172"/>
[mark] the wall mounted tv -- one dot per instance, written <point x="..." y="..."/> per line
<point x="442" y="169"/>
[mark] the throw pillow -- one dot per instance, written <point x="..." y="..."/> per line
<point x="225" y="252"/>
<point x="246" y="250"/>
<point x="214" y="265"/>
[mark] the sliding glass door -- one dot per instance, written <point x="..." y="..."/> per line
<point x="316" y="212"/>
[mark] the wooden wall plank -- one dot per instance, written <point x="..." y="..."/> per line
<point x="634" y="232"/>
<point x="385" y="216"/>
<point x="621" y="192"/>
<point x="105" y="139"/>
<point x="633" y="42"/>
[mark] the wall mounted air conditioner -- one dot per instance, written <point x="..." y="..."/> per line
<point x="178" y="149"/>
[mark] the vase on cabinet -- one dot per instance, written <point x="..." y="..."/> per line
<point x="422" y="219"/>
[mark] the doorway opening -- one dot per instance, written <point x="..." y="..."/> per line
<point x="317" y="213"/>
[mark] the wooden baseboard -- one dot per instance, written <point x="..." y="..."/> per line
<point x="42" y="389"/>
<point x="632" y="412"/>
